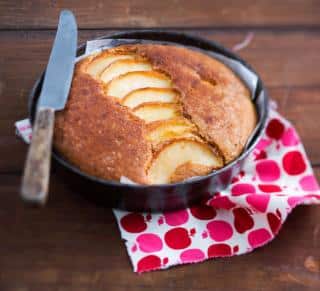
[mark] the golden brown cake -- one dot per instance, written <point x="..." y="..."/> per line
<point x="153" y="113"/>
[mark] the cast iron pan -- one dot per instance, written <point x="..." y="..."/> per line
<point x="156" y="197"/>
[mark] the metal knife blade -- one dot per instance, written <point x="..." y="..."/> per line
<point x="59" y="72"/>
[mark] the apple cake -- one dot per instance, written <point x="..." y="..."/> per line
<point x="155" y="114"/>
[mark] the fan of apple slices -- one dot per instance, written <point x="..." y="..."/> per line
<point x="179" y="152"/>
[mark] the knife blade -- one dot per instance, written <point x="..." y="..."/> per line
<point x="53" y="96"/>
<point x="59" y="72"/>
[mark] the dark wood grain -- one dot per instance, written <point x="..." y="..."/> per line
<point x="165" y="13"/>
<point x="282" y="58"/>
<point x="76" y="245"/>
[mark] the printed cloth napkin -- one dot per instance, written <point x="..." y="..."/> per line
<point x="248" y="214"/>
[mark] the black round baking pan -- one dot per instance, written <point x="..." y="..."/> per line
<point x="157" y="197"/>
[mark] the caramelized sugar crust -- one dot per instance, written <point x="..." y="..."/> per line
<point x="100" y="136"/>
<point x="132" y="104"/>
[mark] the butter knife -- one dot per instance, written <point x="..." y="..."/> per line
<point x="54" y="94"/>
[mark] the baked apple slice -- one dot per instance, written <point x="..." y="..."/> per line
<point x="164" y="130"/>
<point x="121" y="67"/>
<point x="179" y="152"/>
<point x="150" y="112"/>
<point x="100" y="62"/>
<point x="144" y="95"/>
<point x="124" y="84"/>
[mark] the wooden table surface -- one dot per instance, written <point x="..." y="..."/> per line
<point x="74" y="245"/>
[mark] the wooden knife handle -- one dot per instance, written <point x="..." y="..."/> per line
<point x="37" y="168"/>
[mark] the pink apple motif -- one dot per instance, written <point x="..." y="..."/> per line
<point x="219" y="230"/>
<point x="268" y="170"/>
<point x="294" y="200"/>
<point x="290" y="137"/>
<point x="192" y="255"/>
<point x="243" y="188"/>
<point x="263" y="143"/>
<point x="309" y="183"/>
<point x="259" y="237"/>
<point x="259" y="201"/>
<point x="149" y="242"/>
<point x="175" y="218"/>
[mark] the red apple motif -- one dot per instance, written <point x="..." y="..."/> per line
<point x="269" y="188"/>
<point x="261" y="155"/>
<point x="149" y="263"/>
<point x="274" y="222"/>
<point x="203" y="212"/>
<point x="133" y="222"/>
<point x="242" y="220"/>
<point x="275" y="129"/>
<point x="293" y="163"/>
<point x="177" y="238"/>
<point x="219" y="250"/>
